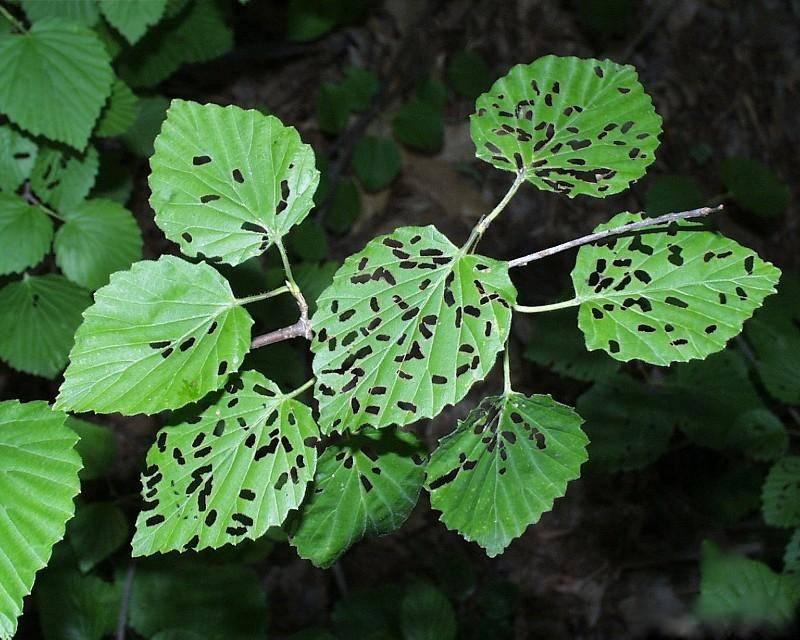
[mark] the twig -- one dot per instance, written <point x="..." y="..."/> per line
<point x="14" y="22"/>
<point x="300" y="329"/>
<point x="127" y="590"/>
<point x="600" y="235"/>
<point x="480" y="228"/>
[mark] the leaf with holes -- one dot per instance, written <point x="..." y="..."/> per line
<point x="38" y="319"/>
<point x="62" y="178"/>
<point x="25" y="234"/>
<point x="781" y="494"/>
<point x="228" y="474"/>
<point x="364" y="486"/>
<point x="579" y="127"/>
<point x="504" y="466"/>
<point x="409" y="324"/>
<point x="668" y="293"/>
<point x="38" y="481"/>
<point x="17" y="157"/>
<point x="228" y="183"/>
<point x="158" y="336"/>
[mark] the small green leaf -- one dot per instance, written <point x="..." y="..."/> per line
<point x="469" y="74"/>
<point x="755" y="187"/>
<point x="38" y="319"/>
<point x="345" y="207"/>
<point x="55" y="58"/>
<point x="426" y="614"/>
<point x="25" y="234"/>
<point x="376" y="162"/>
<point x="409" y="324"/>
<point x="228" y="474"/>
<point x="791" y="558"/>
<point x="361" y="85"/>
<point x="77" y="607"/>
<point x="308" y="241"/>
<point x="120" y="111"/>
<point x="333" y="107"/>
<point x="418" y="125"/>
<point x="673" y="193"/>
<point x="781" y="495"/>
<point x="572" y="126"/>
<point x="365" y="486"/>
<point x="96" y="531"/>
<point x="97" y="447"/>
<point x="504" y="466"/>
<point x="132" y="18"/>
<point x="141" y="135"/>
<point x="83" y="12"/>
<point x="228" y="183"/>
<point x="38" y="482"/>
<point x="98" y="238"/>
<point x="667" y="293"/>
<point x="17" y="157"/>
<point x="63" y="178"/>
<point x="158" y="336"/>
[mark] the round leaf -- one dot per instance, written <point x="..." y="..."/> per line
<point x="426" y="614"/>
<point x="25" y="234"/>
<point x="469" y="74"/>
<point x="376" y="162"/>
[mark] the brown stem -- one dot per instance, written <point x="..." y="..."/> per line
<point x="300" y="329"/>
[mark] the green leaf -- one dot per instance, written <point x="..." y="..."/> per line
<point x="114" y="180"/>
<point x="309" y="242"/>
<point x="98" y="238"/>
<point x="673" y="193"/>
<point x="132" y="18"/>
<point x="55" y="58"/>
<point x="418" y="125"/>
<point x="409" y="324"/>
<point x="96" y="531"/>
<point x="781" y="494"/>
<point x="376" y="162"/>
<point x="361" y="85"/>
<point x="17" y="157"/>
<point x="158" y="336"/>
<point x="38" y="319"/>
<point x="97" y="447"/>
<point x="469" y="74"/>
<point x="63" y="178"/>
<point x="366" y="485"/>
<point x="229" y="474"/>
<point x="345" y="207"/>
<point x="791" y="558"/>
<point x="736" y="590"/>
<point x="309" y="19"/>
<point x="83" y="12"/>
<point x="141" y="135"/>
<point x="333" y="107"/>
<point x="76" y="607"/>
<point x="760" y="435"/>
<point x="369" y="614"/>
<point x="229" y="183"/>
<point x="120" y="111"/>
<point x="572" y="126"/>
<point x="25" y="234"/>
<point x="427" y="614"/>
<point x="38" y="482"/>
<point x="521" y="453"/>
<point x="669" y="293"/>
<point x="755" y="187"/>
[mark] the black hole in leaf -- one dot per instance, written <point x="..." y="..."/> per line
<point x="198" y="161"/>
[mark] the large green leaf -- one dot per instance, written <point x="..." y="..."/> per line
<point x="570" y="125"/>
<point x="38" y="319"/>
<point x="504" y="466"/>
<point x="54" y="80"/>
<point x="132" y="17"/>
<point x="17" y="157"/>
<point x="38" y="481"/>
<point x="77" y="607"/>
<point x="364" y="486"/>
<point x="781" y="494"/>
<point x="62" y="178"/>
<point x="228" y="183"/>
<point x="120" y="111"/>
<point x="25" y="234"/>
<point x="158" y="336"/>
<point x="669" y="293"/>
<point x="83" y="12"/>
<point x="229" y="474"/>
<point x="98" y="238"/>
<point x="409" y="324"/>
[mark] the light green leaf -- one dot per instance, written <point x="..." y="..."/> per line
<point x="228" y="183"/>
<point x="83" y="12"/>
<point x="59" y="59"/>
<point x="409" y="324"/>
<point x="504" y="466"/>
<point x="376" y="162"/>
<point x="791" y="558"/>
<point x="140" y="136"/>
<point x="469" y="74"/>
<point x="158" y="336"/>
<point x="364" y="486"/>
<point x="96" y="531"/>
<point x="38" y="319"/>
<point x="25" y="234"/>
<point x="120" y="111"/>
<point x="736" y="590"/>
<point x="572" y="126"/>
<point x="98" y="238"/>
<point x="673" y="193"/>
<point x="97" y="447"/>
<point x="229" y="474"/>
<point x="62" y="178"/>
<point x="38" y="481"/>
<point x="77" y="607"/>
<point x="17" y="157"/>
<point x="426" y="614"/>
<point x="755" y="187"/>
<point x="132" y="18"/>
<point x="781" y="494"/>
<point x="669" y="293"/>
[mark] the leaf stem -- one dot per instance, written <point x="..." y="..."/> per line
<point x="306" y="385"/>
<point x="125" y="601"/>
<point x="547" y="307"/>
<point x="8" y="16"/>
<point x="507" y="369"/>
<point x="600" y="235"/>
<point x="287" y="267"/>
<point x="31" y="199"/>
<point x="479" y="229"/>
<point x="263" y="296"/>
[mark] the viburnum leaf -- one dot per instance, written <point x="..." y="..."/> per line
<point x="781" y="494"/>
<point x="38" y="319"/>
<point x="158" y="336"/>
<point x="120" y="111"/>
<point x="97" y="238"/>
<point x="366" y="485"/>
<point x="38" y="481"/>
<point x="228" y="183"/>
<point x="55" y="58"/>
<point x="504" y="466"/>
<point x="579" y="127"/>
<point x="230" y="473"/>
<point x="408" y="325"/>
<point x="62" y="178"/>
<point x="669" y="293"/>
<point x="83" y="12"/>
<point x="132" y="18"/>
<point x="25" y="234"/>
<point x="17" y="157"/>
